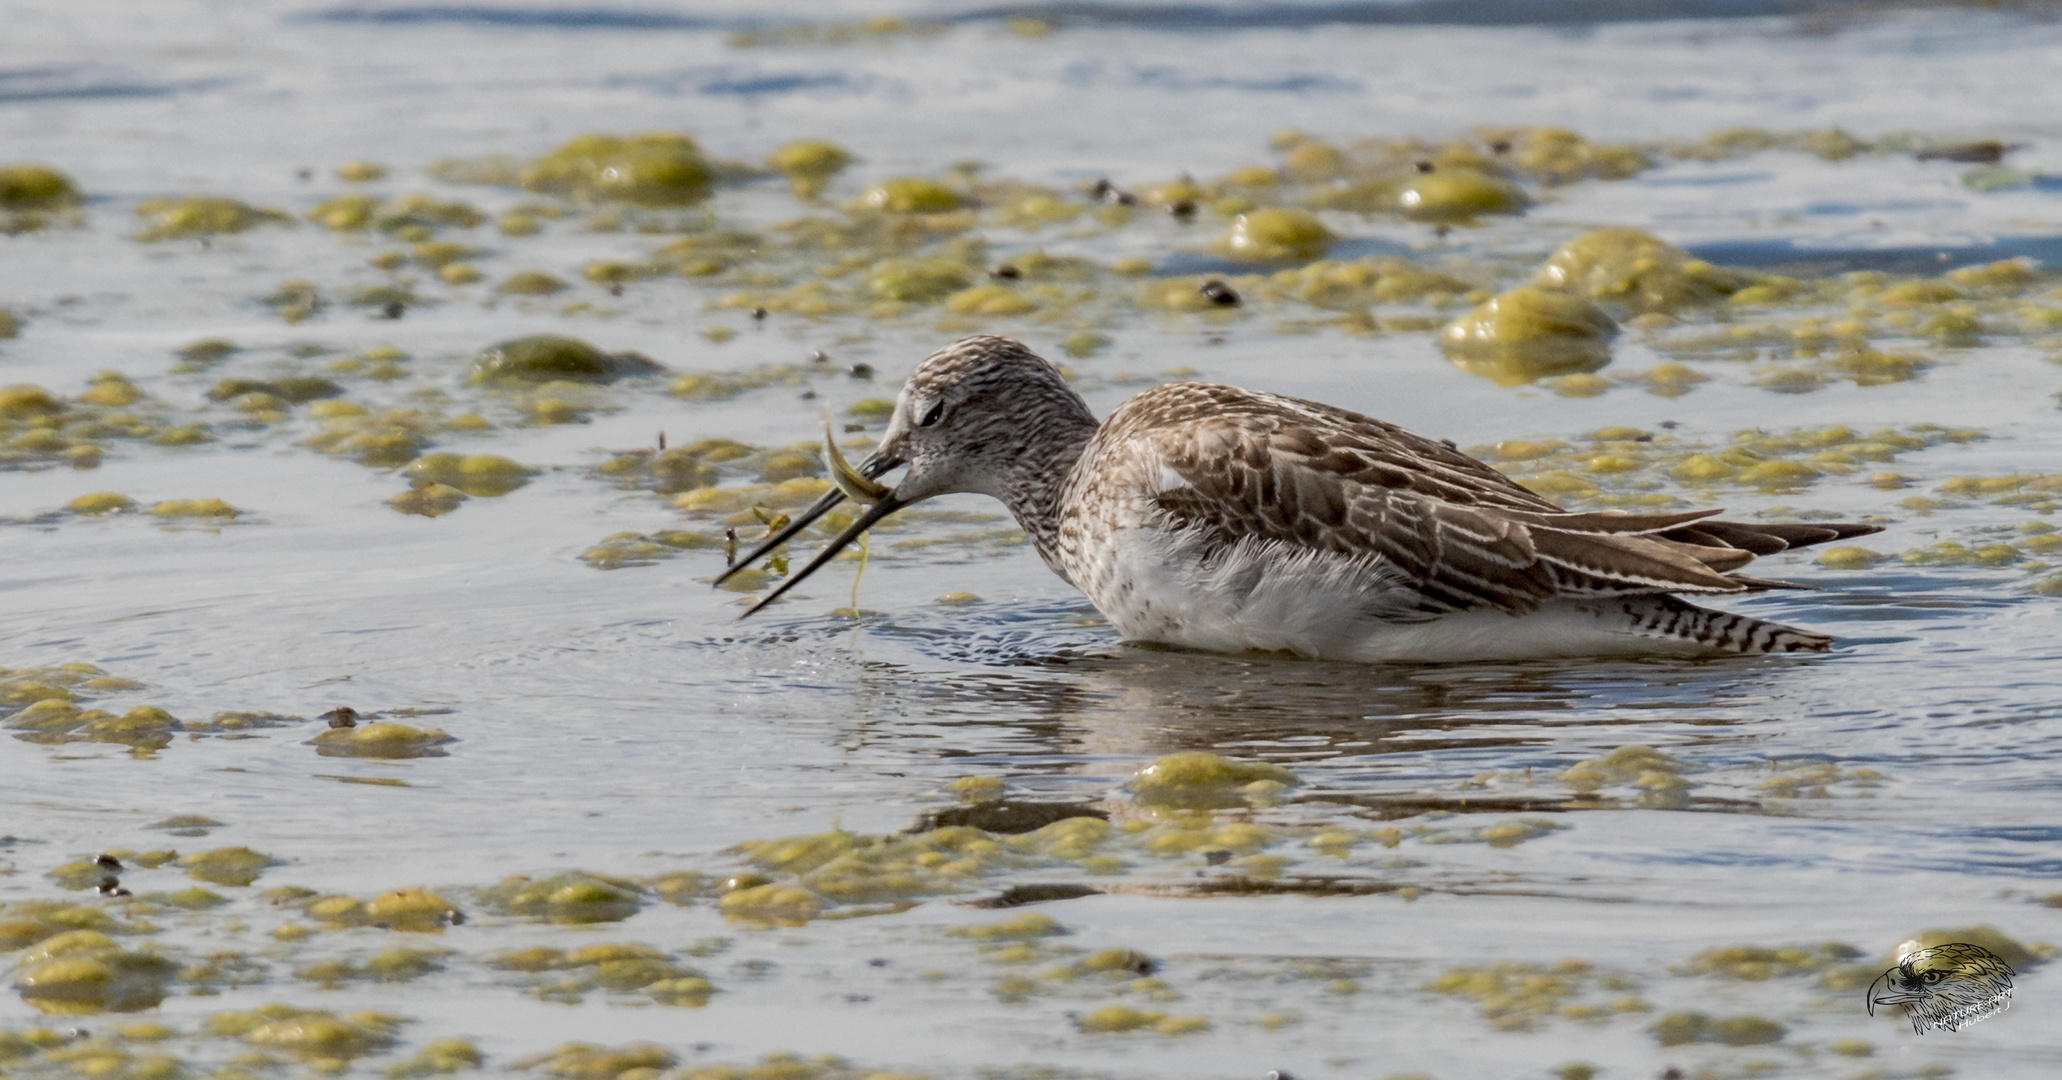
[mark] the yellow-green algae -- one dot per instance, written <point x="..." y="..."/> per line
<point x="381" y="440"/>
<point x="26" y="922"/>
<point x="383" y="739"/>
<point x="1677" y="1029"/>
<point x="411" y="910"/>
<point x="1027" y="926"/>
<point x="1200" y="780"/>
<point x="550" y="358"/>
<point x="143" y="728"/>
<point x="200" y="215"/>
<point x="439" y="1058"/>
<point x="912" y="195"/>
<point x="613" y="967"/>
<point x="1455" y="195"/>
<point x="227" y="866"/>
<point x="1638" y="272"/>
<point x="324" y="1041"/>
<point x="1515" y="996"/>
<point x="1276" y="235"/>
<point x="1632" y="467"/>
<point x="295" y="389"/>
<point x="1754" y="963"/>
<point x="85" y="971"/>
<point x="29" y="186"/>
<point x="1528" y="333"/>
<point x="573" y="897"/>
<point x="195" y="508"/>
<point x="1120" y="1018"/>
<point x="485" y="475"/>
<point x="658" y="169"/>
<point x="809" y="165"/>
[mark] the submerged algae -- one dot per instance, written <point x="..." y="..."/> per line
<point x="36" y="187"/>
<point x="1639" y="272"/>
<point x="574" y="897"/>
<point x="1529" y="333"/>
<point x="202" y="216"/>
<point x="550" y="357"/>
<point x="1276" y="235"/>
<point x="383" y="740"/>
<point x="809" y="165"/>
<point x="1195" y="779"/>
<point x="485" y="475"/>
<point x="85" y="971"/>
<point x="659" y="169"/>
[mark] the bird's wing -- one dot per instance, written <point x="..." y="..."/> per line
<point x="1238" y="465"/>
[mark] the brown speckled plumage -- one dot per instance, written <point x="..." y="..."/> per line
<point x="1209" y="516"/>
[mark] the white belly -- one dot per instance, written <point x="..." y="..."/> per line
<point x="1262" y="597"/>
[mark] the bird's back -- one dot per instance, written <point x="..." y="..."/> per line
<point x="1216" y="517"/>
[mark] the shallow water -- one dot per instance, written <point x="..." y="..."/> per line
<point x="622" y="722"/>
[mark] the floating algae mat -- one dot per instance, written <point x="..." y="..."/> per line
<point x="367" y="711"/>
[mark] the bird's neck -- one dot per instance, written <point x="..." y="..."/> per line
<point x="1034" y="486"/>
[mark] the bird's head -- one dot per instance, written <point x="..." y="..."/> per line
<point x="1944" y="985"/>
<point x="967" y="415"/>
<point x="970" y="418"/>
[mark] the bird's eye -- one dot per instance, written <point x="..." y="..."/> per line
<point x="933" y="415"/>
<point x="1933" y="976"/>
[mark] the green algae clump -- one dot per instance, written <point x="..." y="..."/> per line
<point x="1530" y="333"/>
<point x="411" y="910"/>
<point x="432" y="500"/>
<point x="1849" y="557"/>
<point x="1754" y="963"/>
<point x="440" y="1058"/>
<point x="1194" y="779"/>
<point x="809" y="165"/>
<point x="1679" y="1029"/>
<point x="1025" y="927"/>
<point x="36" y="187"/>
<point x="638" y="1061"/>
<point x="1276" y="235"/>
<point x="912" y="195"/>
<point x="195" y="508"/>
<point x="325" y="1041"/>
<point x="916" y="281"/>
<point x="201" y="215"/>
<point x="84" y="971"/>
<point x="531" y="283"/>
<point x="1638" y="271"/>
<point x="24" y="400"/>
<point x="658" y="169"/>
<point x="97" y="503"/>
<point x="1457" y="195"/>
<point x="485" y="475"/>
<point x="383" y="740"/>
<point x="227" y="866"/>
<point x="574" y="897"/>
<point x="549" y="358"/>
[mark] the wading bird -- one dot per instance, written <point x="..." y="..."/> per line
<point x="1225" y="520"/>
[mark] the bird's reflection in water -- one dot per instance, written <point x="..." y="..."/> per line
<point x="1041" y="698"/>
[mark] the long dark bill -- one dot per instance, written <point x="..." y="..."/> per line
<point x="872" y="468"/>
<point x="795" y="525"/>
<point x="866" y="521"/>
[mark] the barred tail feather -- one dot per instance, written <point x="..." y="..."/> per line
<point x="1666" y="618"/>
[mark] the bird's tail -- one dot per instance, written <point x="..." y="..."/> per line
<point x="1681" y="624"/>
